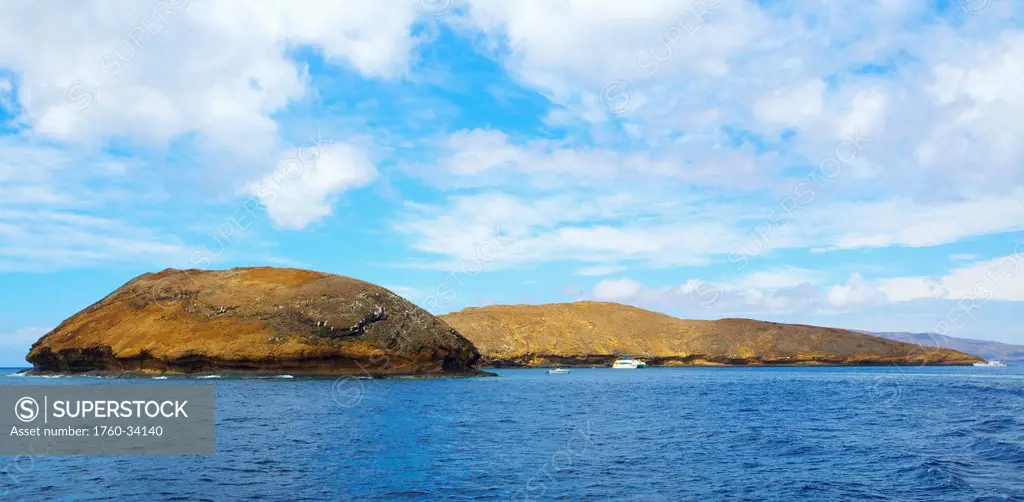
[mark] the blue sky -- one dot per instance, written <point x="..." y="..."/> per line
<point x="856" y="165"/>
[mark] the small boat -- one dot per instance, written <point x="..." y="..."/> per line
<point x="558" y="371"/>
<point x="991" y="364"/>
<point x="628" y="363"/>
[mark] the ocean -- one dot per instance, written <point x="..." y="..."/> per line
<point x="878" y="433"/>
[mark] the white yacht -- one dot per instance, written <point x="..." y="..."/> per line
<point x="628" y="363"/>
<point x="558" y="371"/>
<point x="991" y="364"/>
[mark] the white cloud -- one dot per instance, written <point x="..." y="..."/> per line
<point x="865" y="116"/>
<point x="600" y="270"/>
<point x="616" y="289"/>
<point x="792" y="106"/>
<point x="904" y="222"/>
<point x="566" y="228"/>
<point x="475" y="152"/>
<point x="303" y="188"/>
<point x="484" y="157"/>
<point x="6" y="95"/>
<point x="564" y="47"/>
<point x="856" y="293"/>
<point x="62" y="209"/>
<point x="936" y="96"/>
<point x="409" y="293"/>
<point x="1000" y="279"/>
<point x="45" y="240"/>
<point x="152" y="72"/>
<point x="14" y="346"/>
<point x="790" y="290"/>
<point x="710" y="296"/>
<point x="779" y="278"/>
<point x="659" y="226"/>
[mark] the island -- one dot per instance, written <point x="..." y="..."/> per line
<point x="596" y="333"/>
<point x="254" y="320"/>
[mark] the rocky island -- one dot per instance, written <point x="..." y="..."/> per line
<point x="254" y="320"/>
<point x="596" y="333"/>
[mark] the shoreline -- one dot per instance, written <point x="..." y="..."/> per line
<point x="483" y="372"/>
<point x="229" y="374"/>
<point x="593" y="361"/>
<point x="761" y="365"/>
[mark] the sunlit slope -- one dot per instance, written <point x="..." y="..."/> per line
<point x="594" y="333"/>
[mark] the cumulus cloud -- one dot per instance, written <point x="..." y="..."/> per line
<point x="155" y="71"/>
<point x="933" y="88"/>
<point x="791" y="106"/>
<point x="790" y="290"/>
<point x="304" y="186"/>
<point x="616" y="289"/>
<point x="1000" y="279"/>
<point x="856" y="293"/>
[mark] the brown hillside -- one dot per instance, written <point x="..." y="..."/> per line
<point x="254" y="319"/>
<point x="594" y="333"/>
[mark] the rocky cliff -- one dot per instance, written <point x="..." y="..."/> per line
<point x="254" y="320"/>
<point x="593" y="333"/>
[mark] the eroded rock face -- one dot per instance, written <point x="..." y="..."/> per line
<point x="254" y="320"/>
<point x="596" y="333"/>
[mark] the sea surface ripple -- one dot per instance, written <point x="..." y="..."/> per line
<point x="887" y="433"/>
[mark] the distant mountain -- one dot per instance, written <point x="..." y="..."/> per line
<point x="595" y="334"/>
<point x="988" y="350"/>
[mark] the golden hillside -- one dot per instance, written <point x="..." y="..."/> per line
<point x="254" y="319"/>
<point x="594" y="333"/>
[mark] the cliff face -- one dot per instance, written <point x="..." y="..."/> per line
<point x="593" y="333"/>
<point x="254" y="320"/>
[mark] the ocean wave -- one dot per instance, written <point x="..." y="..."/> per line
<point x="207" y="377"/>
<point x="160" y="378"/>
<point x="997" y="451"/>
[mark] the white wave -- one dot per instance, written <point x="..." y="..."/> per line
<point x="207" y="377"/>
<point x="160" y="378"/>
<point x="284" y="376"/>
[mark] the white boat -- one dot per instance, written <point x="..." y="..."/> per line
<point x="628" y="363"/>
<point x="991" y="364"/>
<point x="558" y="371"/>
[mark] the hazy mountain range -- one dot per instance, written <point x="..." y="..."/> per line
<point x="988" y="350"/>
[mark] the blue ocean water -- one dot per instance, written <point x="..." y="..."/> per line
<point x="652" y="434"/>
